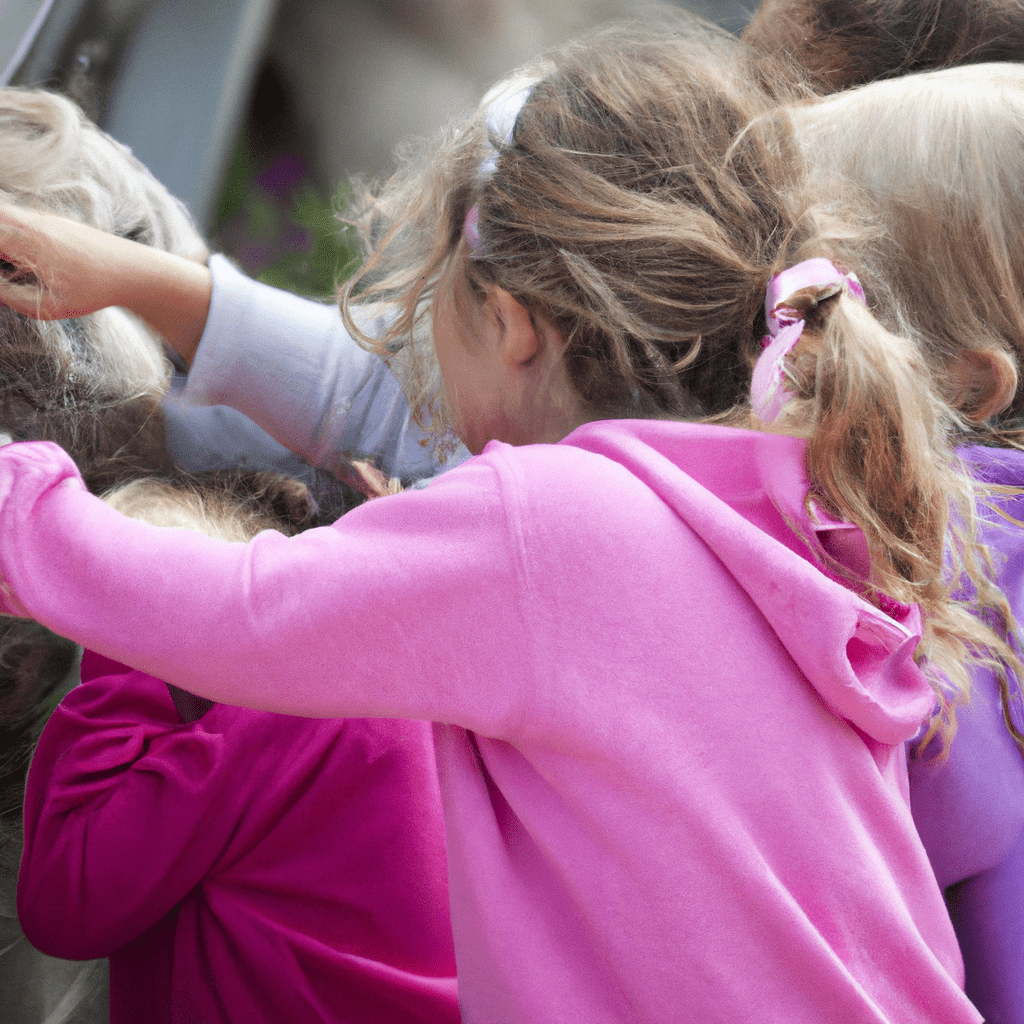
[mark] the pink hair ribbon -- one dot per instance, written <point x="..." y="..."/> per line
<point x="820" y="279"/>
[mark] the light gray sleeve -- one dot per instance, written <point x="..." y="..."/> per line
<point x="288" y="364"/>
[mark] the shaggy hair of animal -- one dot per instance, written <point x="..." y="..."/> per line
<point x="92" y="384"/>
<point x="56" y="160"/>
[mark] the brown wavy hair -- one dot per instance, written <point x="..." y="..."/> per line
<point x="836" y="44"/>
<point x="641" y="206"/>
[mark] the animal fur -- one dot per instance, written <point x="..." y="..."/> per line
<point x="94" y="386"/>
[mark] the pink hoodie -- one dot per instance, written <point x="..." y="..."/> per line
<point x="670" y="746"/>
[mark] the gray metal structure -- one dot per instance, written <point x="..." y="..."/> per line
<point x="169" y="78"/>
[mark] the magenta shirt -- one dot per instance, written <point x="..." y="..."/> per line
<point x="246" y="867"/>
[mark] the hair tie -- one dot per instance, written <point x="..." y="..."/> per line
<point x="788" y="298"/>
<point x="502" y="105"/>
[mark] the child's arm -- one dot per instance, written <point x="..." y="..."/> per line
<point x="125" y="811"/>
<point x="287" y="363"/>
<point x="290" y="366"/>
<point x="54" y="268"/>
<point x="310" y="625"/>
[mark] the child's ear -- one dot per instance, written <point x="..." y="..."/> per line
<point x="519" y="340"/>
<point x="986" y="379"/>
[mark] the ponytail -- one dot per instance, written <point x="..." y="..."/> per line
<point x="878" y="456"/>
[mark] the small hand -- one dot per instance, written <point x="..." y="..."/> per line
<point x="53" y="268"/>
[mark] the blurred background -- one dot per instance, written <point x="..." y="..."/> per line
<point x="255" y="112"/>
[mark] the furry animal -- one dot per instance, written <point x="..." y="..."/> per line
<point x="94" y="386"/>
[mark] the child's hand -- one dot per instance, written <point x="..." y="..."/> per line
<point x="27" y="471"/>
<point x="52" y="268"/>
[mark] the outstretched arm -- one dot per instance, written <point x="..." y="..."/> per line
<point x="285" y="362"/>
<point x="290" y="365"/>
<point x="312" y="625"/>
<point x="54" y="268"/>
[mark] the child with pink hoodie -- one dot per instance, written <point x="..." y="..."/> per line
<point x="665" y="621"/>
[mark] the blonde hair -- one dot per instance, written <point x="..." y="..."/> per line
<point x="937" y="161"/>
<point x="641" y="206"/>
<point x="55" y="159"/>
<point x="235" y="505"/>
<point x="93" y="384"/>
<point x="230" y="506"/>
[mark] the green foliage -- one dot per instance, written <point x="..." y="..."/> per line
<point x="331" y="257"/>
<point x="273" y="220"/>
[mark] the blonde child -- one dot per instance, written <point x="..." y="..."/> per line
<point x="936" y="161"/>
<point x="670" y="660"/>
<point x="233" y="864"/>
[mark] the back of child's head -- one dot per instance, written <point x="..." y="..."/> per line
<point x="640" y="201"/>
<point x="937" y="160"/>
<point x="835" y="44"/>
<point x="622" y="210"/>
<point x="231" y="506"/>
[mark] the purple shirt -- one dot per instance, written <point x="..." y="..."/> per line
<point x="970" y="809"/>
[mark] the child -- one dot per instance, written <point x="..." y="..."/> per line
<point x="671" y="691"/>
<point x="185" y="815"/>
<point x="216" y="882"/>
<point x="935" y="159"/>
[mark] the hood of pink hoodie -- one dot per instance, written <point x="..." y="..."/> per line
<point x="739" y="491"/>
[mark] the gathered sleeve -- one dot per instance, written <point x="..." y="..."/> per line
<point x="290" y="366"/>
<point x="411" y="606"/>
<point x="125" y="811"/>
